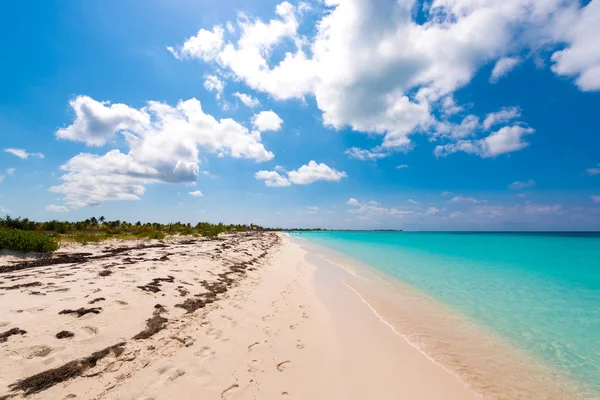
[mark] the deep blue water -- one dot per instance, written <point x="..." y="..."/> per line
<point x="540" y="291"/>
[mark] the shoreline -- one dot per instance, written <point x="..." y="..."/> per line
<point x="245" y="316"/>
<point x="483" y="361"/>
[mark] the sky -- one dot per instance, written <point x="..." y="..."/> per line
<point x="351" y="114"/>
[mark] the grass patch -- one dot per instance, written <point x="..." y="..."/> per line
<point x="18" y="240"/>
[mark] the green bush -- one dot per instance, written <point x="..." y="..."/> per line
<point x="152" y="235"/>
<point x="13" y="239"/>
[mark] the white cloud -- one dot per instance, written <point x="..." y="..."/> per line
<point x="506" y="140"/>
<point x="353" y="202"/>
<point x="503" y="67"/>
<point x="164" y="144"/>
<point x="521" y="185"/>
<point x="313" y="172"/>
<point x="402" y="166"/>
<point x="502" y="116"/>
<point x="267" y="121"/>
<point x="23" y="154"/>
<point x="432" y="211"/>
<point x="205" y="45"/>
<point x="212" y="83"/>
<point x="2" y="209"/>
<point x="595" y="199"/>
<point x="196" y="193"/>
<point x="365" y="155"/>
<point x="593" y="171"/>
<point x="447" y="193"/>
<point x="1" y="178"/>
<point x="306" y="174"/>
<point x="466" y="128"/>
<point x="465" y="200"/>
<point x="272" y="178"/>
<point x="370" y="212"/>
<point x="372" y="67"/>
<point x="248" y="100"/>
<point x="55" y="208"/>
<point x="411" y="201"/>
<point x="518" y="211"/>
<point x="10" y="171"/>
<point x="581" y="58"/>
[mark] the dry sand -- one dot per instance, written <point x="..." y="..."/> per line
<point x="242" y="317"/>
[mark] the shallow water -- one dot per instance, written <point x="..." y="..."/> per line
<point x="537" y="293"/>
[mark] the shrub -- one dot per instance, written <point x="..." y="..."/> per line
<point x="17" y="240"/>
<point x="152" y="235"/>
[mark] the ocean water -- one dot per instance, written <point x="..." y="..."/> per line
<point x="538" y="291"/>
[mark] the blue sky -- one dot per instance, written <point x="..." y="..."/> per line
<point x="353" y="114"/>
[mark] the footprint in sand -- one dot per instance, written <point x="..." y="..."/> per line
<point x="205" y="353"/>
<point x="3" y="324"/>
<point x="251" y="347"/>
<point x="254" y="366"/>
<point x="213" y="333"/>
<point x="292" y="327"/>
<point x="299" y="345"/>
<point x="90" y="330"/>
<point x="37" y="351"/>
<point x="230" y="391"/>
<point x="282" y="365"/>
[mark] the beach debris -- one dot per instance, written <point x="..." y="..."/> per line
<point x="14" y="331"/>
<point x="96" y="300"/>
<point x="154" y="324"/>
<point x="21" y="286"/>
<point x="64" y="334"/>
<point x="47" y="379"/>
<point x="155" y="285"/>
<point x="105" y="272"/>
<point x="82" y="311"/>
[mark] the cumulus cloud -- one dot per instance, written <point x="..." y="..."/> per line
<point x="365" y="155"/>
<point x="506" y="140"/>
<point x="367" y="211"/>
<point x="55" y="208"/>
<point x="372" y="67"/>
<point x="520" y="185"/>
<point x="432" y="211"/>
<point x="313" y="172"/>
<point x="212" y="83"/>
<point x="272" y="178"/>
<point x="353" y="202"/>
<point x="23" y="154"/>
<point x="305" y="175"/>
<point x="581" y="58"/>
<point x="402" y="166"/>
<point x="248" y="100"/>
<point x="164" y="143"/>
<point x="205" y="45"/>
<point x="267" y="121"/>
<point x="501" y="116"/>
<point x="3" y="209"/>
<point x="196" y="193"/>
<point x="465" y="200"/>
<point x="503" y="67"/>
<point x="10" y="171"/>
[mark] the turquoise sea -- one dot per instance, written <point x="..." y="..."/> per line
<point x="538" y="291"/>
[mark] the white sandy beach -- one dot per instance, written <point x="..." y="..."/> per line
<point x="268" y="324"/>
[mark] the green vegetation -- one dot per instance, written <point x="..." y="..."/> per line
<point x="17" y="240"/>
<point x="23" y="234"/>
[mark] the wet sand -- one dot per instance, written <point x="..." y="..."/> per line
<point x="247" y="316"/>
